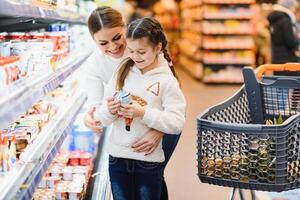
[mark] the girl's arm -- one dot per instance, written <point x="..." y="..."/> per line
<point x="172" y="118"/>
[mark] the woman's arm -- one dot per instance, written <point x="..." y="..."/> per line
<point x="107" y="113"/>
<point x="149" y="142"/>
<point x="93" y="86"/>
<point x="90" y="122"/>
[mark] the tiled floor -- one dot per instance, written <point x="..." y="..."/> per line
<point x="181" y="172"/>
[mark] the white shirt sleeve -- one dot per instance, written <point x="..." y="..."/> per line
<point x="171" y="119"/>
<point x="103" y="114"/>
<point x="93" y="83"/>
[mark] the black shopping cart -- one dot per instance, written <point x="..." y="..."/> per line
<point x="252" y="140"/>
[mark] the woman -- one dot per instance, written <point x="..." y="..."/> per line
<point x="107" y="29"/>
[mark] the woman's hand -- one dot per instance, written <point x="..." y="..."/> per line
<point x="132" y="110"/>
<point x="91" y="123"/>
<point x="113" y="105"/>
<point x="149" y="142"/>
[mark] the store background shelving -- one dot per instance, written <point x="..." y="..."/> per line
<point x="191" y="40"/>
<point x="216" y="39"/>
<point x="168" y="16"/>
<point x="227" y="40"/>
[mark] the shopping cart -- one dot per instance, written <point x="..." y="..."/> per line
<point x="252" y="140"/>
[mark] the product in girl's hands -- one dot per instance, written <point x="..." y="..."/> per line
<point x="125" y="98"/>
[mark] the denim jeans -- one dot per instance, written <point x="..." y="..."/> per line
<point x="169" y="144"/>
<point x="134" y="179"/>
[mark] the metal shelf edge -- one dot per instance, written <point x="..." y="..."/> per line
<point x="31" y="172"/>
<point x="24" y="10"/>
<point x="18" y="103"/>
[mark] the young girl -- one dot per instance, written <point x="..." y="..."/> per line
<point x="157" y="103"/>
<point x="108" y="29"/>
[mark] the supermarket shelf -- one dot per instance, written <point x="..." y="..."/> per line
<point x="224" y="62"/>
<point x="220" y="16"/>
<point x="225" y="32"/>
<point x="230" y="2"/>
<point x="195" y="69"/>
<point x="227" y="48"/>
<point x="16" y="10"/>
<point x="190" y="4"/>
<point x="22" y="180"/>
<point x="196" y="57"/>
<point x="20" y="96"/>
<point x="101" y="186"/>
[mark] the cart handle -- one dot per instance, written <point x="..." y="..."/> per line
<point x="276" y="67"/>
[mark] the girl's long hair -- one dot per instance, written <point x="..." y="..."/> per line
<point x="149" y="28"/>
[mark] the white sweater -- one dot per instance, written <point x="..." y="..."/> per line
<point x="165" y="112"/>
<point x="98" y="70"/>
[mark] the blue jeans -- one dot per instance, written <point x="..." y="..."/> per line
<point x="169" y="144"/>
<point x="134" y="179"/>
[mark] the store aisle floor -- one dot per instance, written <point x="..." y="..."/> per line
<point x="181" y="173"/>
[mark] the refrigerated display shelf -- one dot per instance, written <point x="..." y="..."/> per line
<point x="19" y="97"/>
<point x="101" y="184"/>
<point x="21" y="181"/>
<point x="12" y="9"/>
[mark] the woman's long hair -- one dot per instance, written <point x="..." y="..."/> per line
<point x="104" y="17"/>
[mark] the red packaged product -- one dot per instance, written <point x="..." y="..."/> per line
<point x="17" y="36"/>
<point x="85" y="159"/>
<point x="74" y="158"/>
<point x="3" y="36"/>
<point x="37" y="35"/>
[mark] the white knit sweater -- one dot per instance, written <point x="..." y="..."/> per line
<point x="98" y="70"/>
<point x="165" y="112"/>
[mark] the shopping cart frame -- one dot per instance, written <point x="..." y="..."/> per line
<point x="206" y="122"/>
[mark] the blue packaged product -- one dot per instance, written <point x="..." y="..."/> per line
<point x="63" y="27"/>
<point x="53" y="28"/>
<point x="125" y="98"/>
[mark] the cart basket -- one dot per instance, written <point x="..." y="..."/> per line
<point x="252" y="140"/>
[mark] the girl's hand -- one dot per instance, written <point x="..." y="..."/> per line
<point x="148" y="143"/>
<point x="113" y="105"/>
<point x="132" y="110"/>
<point x="91" y="123"/>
